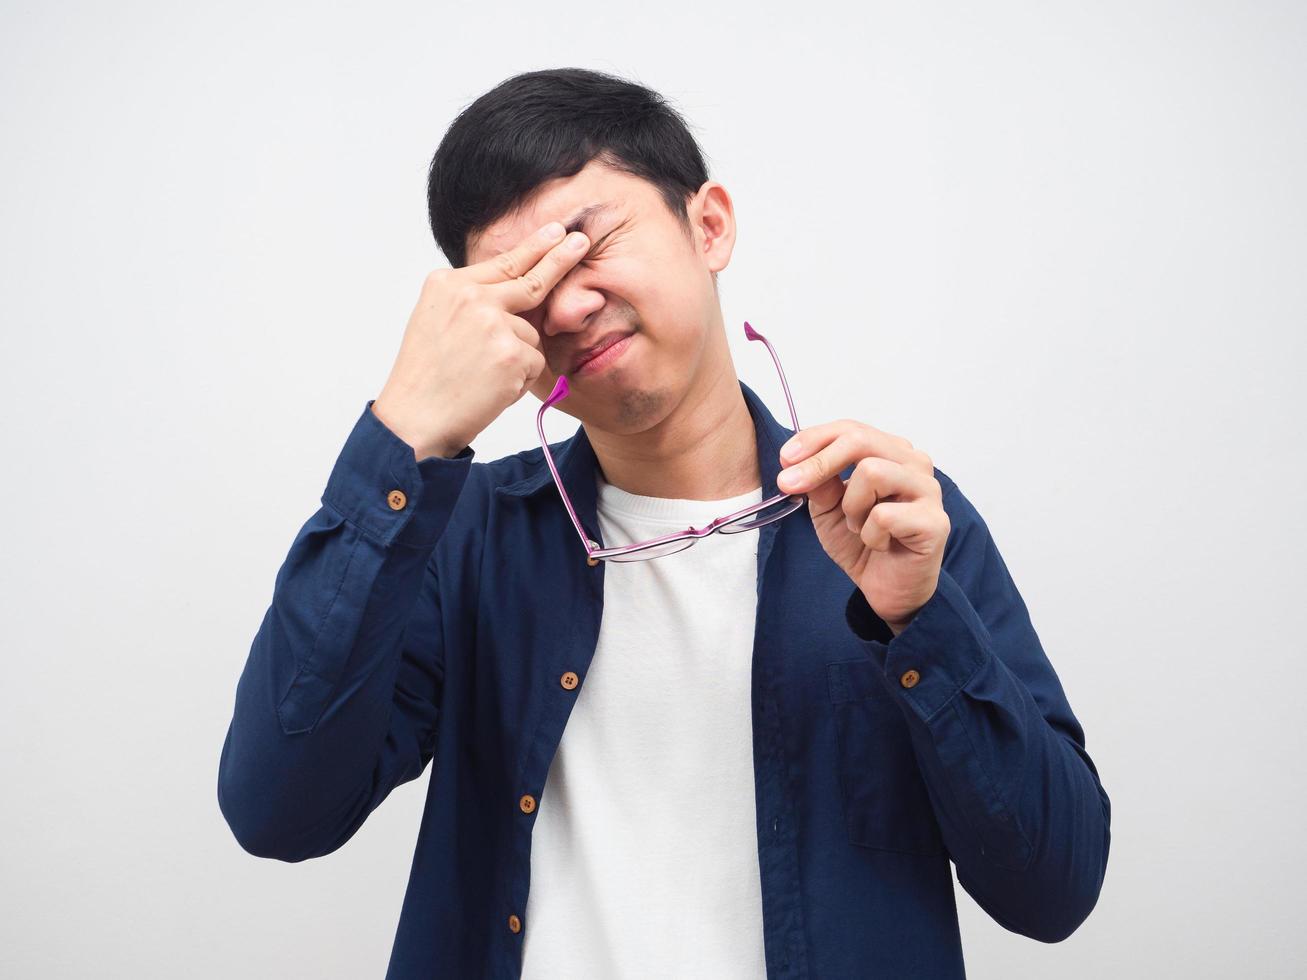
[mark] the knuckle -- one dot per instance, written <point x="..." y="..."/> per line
<point x="505" y="265"/>
<point x="489" y="318"/>
<point x="467" y="294"/>
<point x="456" y="292"/>
<point x="532" y="284"/>
<point x="504" y="348"/>
<point x="867" y="466"/>
<point x="944" y="527"/>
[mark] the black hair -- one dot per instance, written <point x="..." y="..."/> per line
<point x="539" y="125"/>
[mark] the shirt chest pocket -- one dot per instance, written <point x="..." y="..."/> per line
<point x="885" y="802"/>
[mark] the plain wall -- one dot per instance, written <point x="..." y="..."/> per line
<point x="1058" y="246"/>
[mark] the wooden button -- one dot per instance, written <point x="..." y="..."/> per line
<point x="396" y="499"/>
<point x="515" y="923"/>
<point x="527" y="803"/>
<point x="909" y="678"/>
<point x="569" y="680"/>
<point x="591" y="560"/>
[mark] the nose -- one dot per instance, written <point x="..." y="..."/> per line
<point x="569" y="306"/>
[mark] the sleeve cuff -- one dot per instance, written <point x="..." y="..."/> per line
<point x="373" y="464"/>
<point x="942" y="646"/>
<point x="862" y="619"/>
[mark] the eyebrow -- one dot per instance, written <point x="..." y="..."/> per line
<point x="583" y="220"/>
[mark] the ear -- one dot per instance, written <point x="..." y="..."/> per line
<point x="712" y="219"/>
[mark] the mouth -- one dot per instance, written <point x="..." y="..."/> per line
<point x="607" y="354"/>
<point x="601" y="354"/>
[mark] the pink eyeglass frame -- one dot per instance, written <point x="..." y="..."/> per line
<point x="595" y="554"/>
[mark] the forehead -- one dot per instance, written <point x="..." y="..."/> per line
<point x="590" y="200"/>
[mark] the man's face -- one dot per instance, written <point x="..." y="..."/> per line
<point x="642" y="276"/>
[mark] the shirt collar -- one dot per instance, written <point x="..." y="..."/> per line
<point x="578" y="466"/>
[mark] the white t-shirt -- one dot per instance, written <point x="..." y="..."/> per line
<point x="644" y="855"/>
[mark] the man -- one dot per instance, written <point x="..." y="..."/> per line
<point x="754" y="757"/>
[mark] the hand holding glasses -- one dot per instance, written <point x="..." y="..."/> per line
<point x="746" y="519"/>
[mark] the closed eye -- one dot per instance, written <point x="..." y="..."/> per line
<point x="603" y="240"/>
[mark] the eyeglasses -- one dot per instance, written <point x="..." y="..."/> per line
<point x="746" y="519"/>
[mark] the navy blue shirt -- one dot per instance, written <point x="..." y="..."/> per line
<point x="452" y="624"/>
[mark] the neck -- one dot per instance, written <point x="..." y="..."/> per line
<point x="704" y="449"/>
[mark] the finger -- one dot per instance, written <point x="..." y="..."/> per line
<point x="527" y="333"/>
<point x="529" y="290"/>
<point x="510" y="264"/>
<point x="825" y="450"/>
<point x="806" y="441"/>
<point x="871" y="534"/>
<point x="918" y="525"/>
<point x="534" y="366"/>
<point x="874" y="479"/>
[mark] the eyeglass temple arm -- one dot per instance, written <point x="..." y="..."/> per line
<point x="561" y="391"/>
<point x="557" y="395"/>
<point x="785" y="386"/>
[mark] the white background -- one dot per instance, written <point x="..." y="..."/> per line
<point x="1058" y="246"/>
